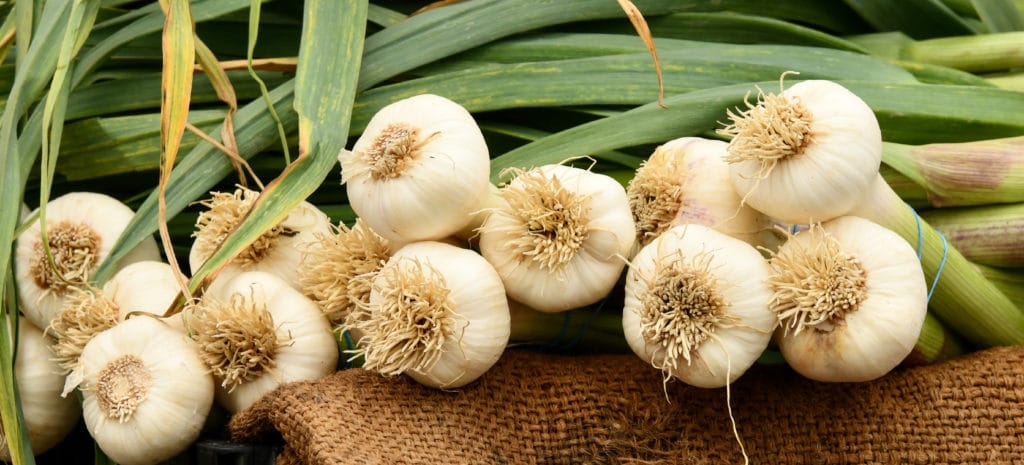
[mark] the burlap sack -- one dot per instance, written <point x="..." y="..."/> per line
<point x="545" y="409"/>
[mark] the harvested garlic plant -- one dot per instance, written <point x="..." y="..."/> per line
<point x="850" y="297"/>
<point x="81" y="230"/>
<point x="686" y="181"/>
<point x="277" y="251"/>
<point x="331" y="265"/>
<point x="48" y="416"/>
<point x="146" y="286"/>
<point x="420" y="170"/>
<point x="808" y="154"/>
<point x="697" y="305"/>
<point x="561" y="241"/>
<point x="145" y="392"/>
<point x="437" y="313"/>
<point x="255" y="332"/>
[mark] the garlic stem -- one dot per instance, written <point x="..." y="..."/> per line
<point x="966" y="301"/>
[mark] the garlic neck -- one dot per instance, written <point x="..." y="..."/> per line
<point x="682" y="308"/>
<point x="75" y="250"/>
<point x="123" y="385"/>
<point x="817" y="285"/>
<point x="554" y="219"/>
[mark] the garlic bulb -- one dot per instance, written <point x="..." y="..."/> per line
<point x="696" y="305"/>
<point x="255" y="332"/>
<point x="851" y="299"/>
<point x="331" y="265"/>
<point x="437" y="313"/>
<point x="420" y="170"/>
<point x="48" y="416"/>
<point x="145" y="392"/>
<point x="687" y="181"/>
<point x="277" y="251"/>
<point x="146" y="286"/>
<point x="562" y="241"/>
<point x="805" y="155"/>
<point x="82" y="228"/>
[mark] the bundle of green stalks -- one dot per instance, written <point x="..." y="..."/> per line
<point x="159" y="103"/>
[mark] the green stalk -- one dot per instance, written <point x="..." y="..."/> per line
<point x="1009" y="81"/>
<point x="12" y="421"/>
<point x="585" y="329"/>
<point x="908" y="190"/>
<point x="1008" y="280"/>
<point x="989" y="235"/>
<point x="935" y="344"/>
<point x="963" y="299"/>
<point x="977" y="53"/>
<point x="960" y="174"/>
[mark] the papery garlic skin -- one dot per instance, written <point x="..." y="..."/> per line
<point x="278" y="251"/>
<point x="48" y="416"/>
<point x="868" y="341"/>
<point x="477" y="315"/>
<point x="577" y="265"/>
<point x="162" y="389"/>
<point x="733" y="273"/>
<point x="146" y="286"/>
<point x="419" y="171"/>
<point x="89" y="219"/>
<point x="307" y="349"/>
<point x="833" y="150"/>
<point x="687" y="181"/>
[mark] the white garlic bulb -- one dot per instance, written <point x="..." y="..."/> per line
<point x="805" y="155"/>
<point x="146" y="286"/>
<point x="696" y="305"/>
<point x="278" y="251"/>
<point x="145" y="392"/>
<point x="82" y="228"/>
<point x="420" y="170"/>
<point x="851" y="300"/>
<point x="561" y="242"/>
<point x="687" y="181"/>
<point x="437" y="313"/>
<point x="255" y="332"/>
<point x="48" y="416"/>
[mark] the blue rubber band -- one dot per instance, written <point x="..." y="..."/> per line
<point x="920" y="251"/>
<point x="795" y="229"/>
<point x="942" y="264"/>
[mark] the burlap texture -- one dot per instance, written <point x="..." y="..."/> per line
<point x="546" y="409"/>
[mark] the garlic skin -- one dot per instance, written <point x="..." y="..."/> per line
<point x="48" y="416"/>
<point x="562" y="241"/>
<point x="880" y="298"/>
<point x="82" y="229"/>
<point x="696" y="305"/>
<point x="147" y="286"/>
<point x="419" y="171"/>
<point x="278" y="251"/>
<point x="301" y="344"/>
<point x="146" y="393"/>
<point x="437" y="313"/>
<point x="687" y="181"/>
<point x="806" y="155"/>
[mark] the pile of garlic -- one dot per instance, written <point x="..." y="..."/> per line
<point x="423" y="283"/>
<point x="844" y="299"/>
